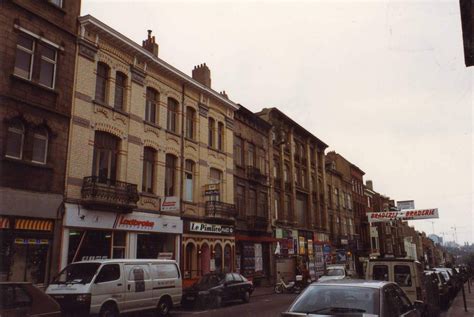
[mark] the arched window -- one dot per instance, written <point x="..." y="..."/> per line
<point x="151" y="106"/>
<point x="220" y="136"/>
<point x="189" y="180"/>
<point x="104" y="165"/>
<point x="101" y="82"/>
<point x="40" y="146"/>
<point x="172" y="124"/>
<point x="120" y="88"/>
<point x="212" y="129"/>
<point x="170" y="175"/>
<point x="227" y="259"/>
<point x="190" y="122"/>
<point x="15" y="139"/>
<point x="149" y="158"/>
<point x="218" y="257"/>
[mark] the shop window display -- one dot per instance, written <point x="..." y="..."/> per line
<point x="95" y="244"/>
<point x="150" y="245"/>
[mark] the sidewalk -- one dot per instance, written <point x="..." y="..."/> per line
<point x="457" y="307"/>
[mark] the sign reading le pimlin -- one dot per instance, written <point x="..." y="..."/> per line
<point x="210" y="228"/>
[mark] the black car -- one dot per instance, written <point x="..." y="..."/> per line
<point x="215" y="288"/>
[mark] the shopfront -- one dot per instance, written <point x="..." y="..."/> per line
<point x="91" y="234"/>
<point x="25" y="250"/>
<point x="252" y="256"/>
<point x="286" y="250"/>
<point x="207" y="248"/>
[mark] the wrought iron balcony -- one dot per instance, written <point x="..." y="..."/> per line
<point x="109" y="194"/>
<point x="220" y="210"/>
<point x="254" y="174"/>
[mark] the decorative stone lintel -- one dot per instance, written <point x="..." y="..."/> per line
<point x="203" y="110"/>
<point x="229" y="123"/>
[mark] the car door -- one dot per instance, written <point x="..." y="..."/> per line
<point x="14" y="301"/>
<point x="230" y="291"/>
<point x="395" y="305"/>
<point x="138" y="294"/>
<point x="240" y="285"/>
<point x="407" y="308"/>
<point x="108" y="284"/>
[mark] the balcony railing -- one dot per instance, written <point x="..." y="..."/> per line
<point x="218" y="209"/>
<point x="109" y="194"/>
<point x="254" y="174"/>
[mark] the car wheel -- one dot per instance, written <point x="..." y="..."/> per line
<point x="108" y="310"/>
<point x="246" y="297"/>
<point x="163" y="308"/>
<point x="278" y="289"/>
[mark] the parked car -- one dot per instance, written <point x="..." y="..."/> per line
<point x="112" y="287"/>
<point x="213" y="289"/>
<point x="443" y="288"/>
<point x="452" y="281"/>
<point x="354" y="298"/>
<point x="19" y="299"/>
<point x="334" y="272"/>
<point x="430" y="282"/>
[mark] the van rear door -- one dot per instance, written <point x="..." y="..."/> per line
<point x="404" y="276"/>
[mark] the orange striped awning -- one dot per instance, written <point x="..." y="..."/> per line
<point x="4" y="223"/>
<point x="34" y="224"/>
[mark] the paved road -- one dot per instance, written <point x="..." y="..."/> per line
<point x="263" y="306"/>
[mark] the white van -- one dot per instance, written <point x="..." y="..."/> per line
<point x="406" y="273"/>
<point x="112" y="287"/>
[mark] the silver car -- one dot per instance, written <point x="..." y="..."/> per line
<point x="354" y="298"/>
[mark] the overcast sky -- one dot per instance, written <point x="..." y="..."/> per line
<point x="383" y="83"/>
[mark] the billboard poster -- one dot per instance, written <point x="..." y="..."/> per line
<point x="405" y="204"/>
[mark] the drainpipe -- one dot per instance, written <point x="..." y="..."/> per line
<point x="181" y="207"/>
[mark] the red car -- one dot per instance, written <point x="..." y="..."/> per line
<point x="18" y="299"/>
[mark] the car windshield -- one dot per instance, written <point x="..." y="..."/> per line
<point x="335" y="272"/>
<point x="210" y="280"/>
<point x="77" y="273"/>
<point x="337" y="299"/>
<point x="446" y="275"/>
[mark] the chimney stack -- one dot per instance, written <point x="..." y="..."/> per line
<point x="224" y="94"/>
<point x="202" y="74"/>
<point x="150" y="45"/>
<point x="369" y="185"/>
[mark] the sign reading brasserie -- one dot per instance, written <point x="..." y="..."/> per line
<point x="210" y="228"/>
<point x="403" y="215"/>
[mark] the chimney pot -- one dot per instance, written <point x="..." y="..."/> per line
<point x="202" y="74"/>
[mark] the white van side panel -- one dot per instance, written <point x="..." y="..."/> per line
<point x="138" y="291"/>
<point x="166" y="282"/>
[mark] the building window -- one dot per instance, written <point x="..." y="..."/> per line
<point x="58" y="3"/>
<point x="212" y="128"/>
<point x="15" y="139"/>
<point x="240" y="200"/>
<point x="149" y="158"/>
<point x="151" y="105"/>
<point x="25" y="49"/>
<point x="188" y="180"/>
<point x="238" y="153"/>
<point x="286" y="171"/>
<point x="251" y="211"/>
<point x="172" y="123"/>
<point x="120" y="86"/>
<point x="262" y="162"/>
<point x="215" y="177"/>
<point x="101" y="82"/>
<point x="329" y="195"/>
<point x="170" y="175"/>
<point x="220" y="136"/>
<point x="276" y="205"/>
<point x="262" y="204"/>
<point x="336" y="197"/>
<point x="190" y="125"/>
<point x="276" y="169"/>
<point x="40" y="146"/>
<point x="48" y="65"/>
<point x="288" y="205"/>
<point x="104" y="165"/>
<point x="251" y="155"/>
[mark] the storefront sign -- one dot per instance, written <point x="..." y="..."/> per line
<point x="414" y="214"/>
<point x="406" y="204"/>
<point x="170" y="203"/>
<point x="344" y="241"/>
<point x="31" y="241"/>
<point x="79" y="217"/>
<point x="210" y="228"/>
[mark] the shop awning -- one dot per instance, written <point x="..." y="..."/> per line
<point x="255" y="239"/>
<point x="4" y="223"/>
<point x="34" y="224"/>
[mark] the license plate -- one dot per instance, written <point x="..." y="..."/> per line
<point x="190" y="297"/>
